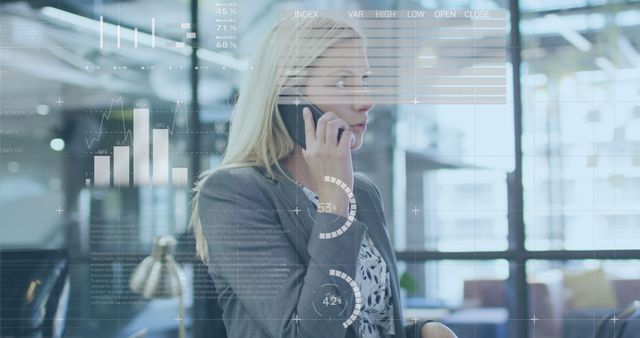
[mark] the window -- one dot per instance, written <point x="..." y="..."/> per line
<point x="580" y="117"/>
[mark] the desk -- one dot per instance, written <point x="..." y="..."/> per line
<point x="159" y="317"/>
<point x="413" y="314"/>
<point x="479" y="323"/>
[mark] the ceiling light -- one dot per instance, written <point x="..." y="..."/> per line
<point x="575" y="38"/>
<point x="57" y="144"/>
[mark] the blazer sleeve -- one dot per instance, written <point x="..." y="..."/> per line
<point x="249" y="250"/>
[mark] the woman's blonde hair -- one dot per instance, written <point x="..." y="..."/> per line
<point x="257" y="136"/>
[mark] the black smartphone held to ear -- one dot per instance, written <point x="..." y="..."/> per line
<point x="291" y="114"/>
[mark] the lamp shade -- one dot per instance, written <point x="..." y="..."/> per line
<point x="158" y="276"/>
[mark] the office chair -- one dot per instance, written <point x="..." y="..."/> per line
<point x="625" y="324"/>
<point x="34" y="293"/>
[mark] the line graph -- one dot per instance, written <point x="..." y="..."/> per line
<point x="180" y="118"/>
<point x="180" y="108"/>
<point x="128" y="134"/>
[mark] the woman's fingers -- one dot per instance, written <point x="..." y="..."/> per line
<point x="332" y="130"/>
<point x="322" y="126"/>
<point x="309" y="127"/>
<point x="346" y="140"/>
<point x="327" y="130"/>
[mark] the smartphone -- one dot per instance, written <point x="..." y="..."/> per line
<point x="291" y="114"/>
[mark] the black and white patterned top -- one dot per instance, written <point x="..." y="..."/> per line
<point x="372" y="276"/>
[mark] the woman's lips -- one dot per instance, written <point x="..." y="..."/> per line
<point x="358" y="127"/>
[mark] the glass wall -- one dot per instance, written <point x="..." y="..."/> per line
<point x="580" y="84"/>
<point x="580" y="87"/>
<point x="451" y="162"/>
<point x="452" y="157"/>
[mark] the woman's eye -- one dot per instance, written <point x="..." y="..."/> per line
<point x="341" y="83"/>
<point x="365" y="81"/>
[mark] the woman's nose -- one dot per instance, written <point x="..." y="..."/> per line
<point x="363" y="103"/>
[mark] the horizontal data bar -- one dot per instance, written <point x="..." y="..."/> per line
<point x="422" y="256"/>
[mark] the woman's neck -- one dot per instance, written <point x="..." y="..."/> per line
<point x="299" y="168"/>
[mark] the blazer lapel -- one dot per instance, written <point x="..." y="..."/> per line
<point x="380" y="237"/>
<point x="367" y="214"/>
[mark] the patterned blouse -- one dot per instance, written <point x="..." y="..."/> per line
<point x="372" y="276"/>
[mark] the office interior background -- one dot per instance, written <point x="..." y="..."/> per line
<point x="516" y="219"/>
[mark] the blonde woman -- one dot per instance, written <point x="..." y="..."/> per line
<point x="287" y="257"/>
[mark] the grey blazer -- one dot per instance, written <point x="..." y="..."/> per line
<point x="273" y="273"/>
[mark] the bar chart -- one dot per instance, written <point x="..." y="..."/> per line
<point x="179" y="33"/>
<point x="151" y="160"/>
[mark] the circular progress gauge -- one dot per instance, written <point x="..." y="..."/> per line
<point x="329" y="304"/>
<point x="356" y="293"/>
<point x="352" y="208"/>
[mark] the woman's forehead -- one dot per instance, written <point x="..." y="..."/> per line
<point x="349" y="55"/>
<point x="346" y="45"/>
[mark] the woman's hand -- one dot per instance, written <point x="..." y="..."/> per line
<point x="436" y="330"/>
<point x="328" y="157"/>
